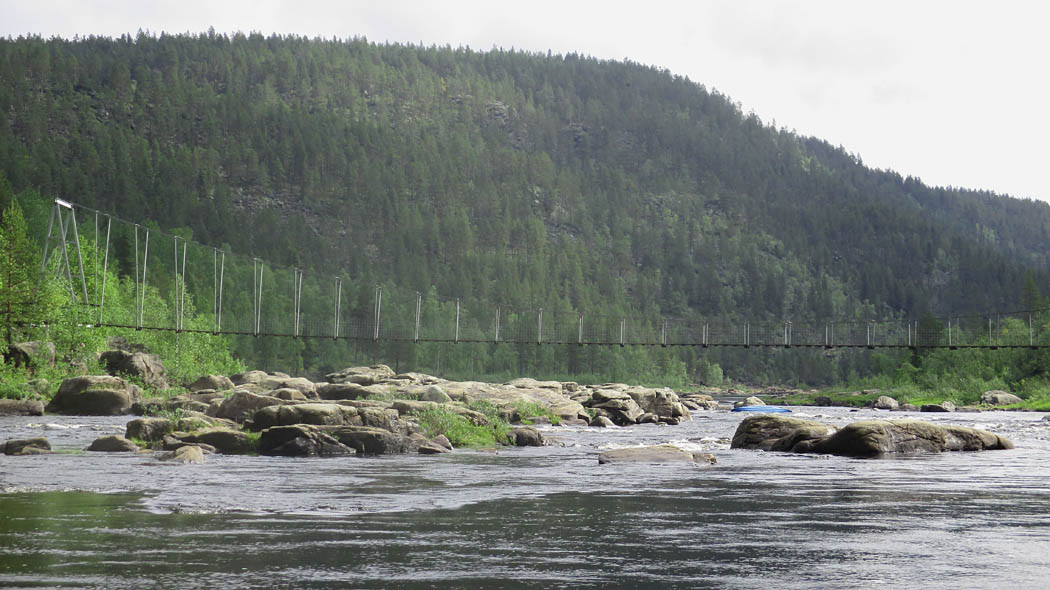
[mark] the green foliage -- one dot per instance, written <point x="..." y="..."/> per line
<point x="460" y="431"/>
<point x="529" y="410"/>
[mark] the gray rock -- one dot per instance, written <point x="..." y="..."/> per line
<point x="999" y="398"/>
<point x="149" y="429"/>
<point x="225" y="441"/>
<point x="21" y="407"/>
<point x="945" y="406"/>
<point x="361" y="375"/>
<point x="27" y="446"/>
<point x="432" y="449"/>
<point x="750" y="401"/>
<point x="367" y="440"/>
<point x="313" y="413"/>
<point x="137" y="364"/>
<point x="248" y="377"/>
<point x="860" y="439"/>
<point x="885" y="402"/>
<point x="212" y="382"/>
<point x="340" y="391"/>
<point x="434" y="393"/>
<point x="770" y="432"/>
<point x="908" y="408"/>
<point x="648" y="418"/>
<point x="241" y="404"/>
<point x="442" y="441"/>
<point x="185" y="454"/>
<point x="654" y="454"/>
<point x="300" y="440"/>
<point x="602" y="422"/>
<point x="101" y="395"/>
<point x="113" y="444"/>
<point x="171" y="443"/>
<point x="526" y="436"/>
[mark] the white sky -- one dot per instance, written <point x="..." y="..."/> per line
<point x="954" y="92"/>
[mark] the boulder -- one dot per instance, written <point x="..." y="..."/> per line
<point x="750" y="401"/>
<point x="429" y="448"/>
<point x="313" y="413"/>
<point x="101" y="395"/>
<point x="885" y="402"/>
<point x="338" y="391"/>
<point x="367" y="440"/>
<point x="879" y="437"/>
<point x="21" y="407"/>
<point x="149" y="429"/>
<point x="601" y="422"/>
<point x="654" y="454"/>
<point x="525" y="436"/>
<point x="662" y="402"/>
<point x="113" y="444"/>
<point x="185" y="454"/>
<point x="300" y="440"/>
<point x="860" y="439"/>
<point x="305" y="386"/>
<point x="620" y="407"/>
<point x="361" y="375"/>
<point x="772" y="432"/>
<point x="434" y="393"/>
<point x="945" y="406"/>
<point x="528" y="383"/>
<point x="31" y="354"/>
<point x="211" y="382"/>
<point x="171" y="443"/>
<point x="289" y="394"/>
<point x="27" y="446"/>
<point x="442" y="441"/>
<point x="241" y="404"/>
<point x="136" y="364"/>
<point x="908" y="408"/>
<point x="999" y="398"/>
<point x="649" y="418"/>
<point x="225" y="441"/>
<point x="248" y="377"/>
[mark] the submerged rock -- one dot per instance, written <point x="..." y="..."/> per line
<point x="526" y="436"/>
<point x="367" y="440"/>
<point x="860" y="439"/>
<point x="654" y="454"/>
<point x="185" y="454"/>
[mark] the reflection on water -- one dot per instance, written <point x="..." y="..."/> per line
<point x="548" y="517"/>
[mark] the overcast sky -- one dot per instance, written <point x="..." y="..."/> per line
<point x="955" y="93"/>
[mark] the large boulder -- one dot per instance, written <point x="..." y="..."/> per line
<point x="21" y="407"/>
<point x="771" y="432"/>
<point x="362" y="375"/>
<point x="136" y="364"/>
<point x="654" y="454"/>
<point x="750" y="401"/>
<point x="113" y="444"/>
<point x="149" y="429"/>
<point x="525" y="436"/>
<point x="999" y="398"/>
<point x="367" y="440"/>
<point x="239" y="406"/>
<point x="662" y="402"/>
<point x="860" y="439"/>
<point x="94" y="395"/>
<point x="617" y="405"/>
<point x="885" y="402"/>
<point x="300" y="440"/>
<point x="434" y="393"/>
<point x="305" y="386"/>
<point x="211" y="382"/>
<point x="185" y="454"/>
<point x="31" y="354"/>
<point x="27" y="446"/>
<point x="339" y="391"/>
<point x="878" y="437"/>
<point x="315" y="413"/>
<point x="224" y="440"/>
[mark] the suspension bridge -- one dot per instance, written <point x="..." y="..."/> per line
<point x="250" y="296"/>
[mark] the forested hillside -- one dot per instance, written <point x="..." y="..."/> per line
<point x="523" y="179"/>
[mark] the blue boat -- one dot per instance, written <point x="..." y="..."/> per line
<point x="767" y="409"/>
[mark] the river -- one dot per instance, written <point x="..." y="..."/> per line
<point x="532" y="517"/>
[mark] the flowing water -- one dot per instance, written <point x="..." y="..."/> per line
<point x="535" y="517"/>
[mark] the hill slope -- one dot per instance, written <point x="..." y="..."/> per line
<point x="529" y="180"/>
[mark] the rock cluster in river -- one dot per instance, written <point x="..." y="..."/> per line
<point x="359" y="410"/>
<point x="864" y="438"/>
